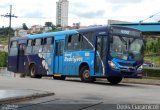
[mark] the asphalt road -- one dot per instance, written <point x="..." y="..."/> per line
<point x="73" y="92"/>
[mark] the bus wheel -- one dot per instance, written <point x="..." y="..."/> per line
<point x="33" y="71"/>
<point x="114" y="80"/>
<point x="85" y="75"/>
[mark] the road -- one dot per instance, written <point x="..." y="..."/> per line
<point x="73" y="91"/>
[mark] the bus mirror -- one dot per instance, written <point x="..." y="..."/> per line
<point x="111" y="39"/>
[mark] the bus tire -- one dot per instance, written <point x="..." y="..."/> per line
<point x="85" y="75"/>
<point x="114" y="80"/>
<point x="33" y="72"/>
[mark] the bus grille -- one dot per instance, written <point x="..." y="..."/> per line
<point x="126" y="73"/>
<point x="126" y="64"/>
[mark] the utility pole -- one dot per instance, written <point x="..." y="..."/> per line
<point x="9" y="15"/>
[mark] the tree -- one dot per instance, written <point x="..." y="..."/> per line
<point x="4" y="31"/>
<point x="24" y="26"/>
<point x="58" y="25"/>
<point x="50" y="24"/>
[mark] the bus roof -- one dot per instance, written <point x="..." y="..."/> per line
<point x="91" y="29"/>
<point x="59" y="33"/>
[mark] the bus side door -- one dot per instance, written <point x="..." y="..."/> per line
<point x="13" y="56"/>
<point x="101" y="53"/>
<point x="58" y="62"/>
<point x="20" y="59"/>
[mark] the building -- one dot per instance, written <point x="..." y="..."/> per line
<point x="20" y="32"/>
<point x="62" y="13"/>
<point x="36" y="29"/>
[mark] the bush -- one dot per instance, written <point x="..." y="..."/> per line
<point x="151" y="72"/>
<point x="3" y="59"/>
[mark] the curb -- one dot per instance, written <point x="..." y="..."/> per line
<point x="24" y="98"/>
<point x="145" y="81"/>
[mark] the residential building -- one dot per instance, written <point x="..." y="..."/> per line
<point x="62" y="13"/>
<point x="36" y="29"/>
<point x="20" y="32"/>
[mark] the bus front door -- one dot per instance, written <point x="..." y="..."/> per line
<point x="20" y="64"/>
<point x="58" y="64"/>
<point x="101" y="51"/>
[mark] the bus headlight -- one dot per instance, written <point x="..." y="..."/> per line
<point x="140" y="68"/>
<point x="112" y="65"/>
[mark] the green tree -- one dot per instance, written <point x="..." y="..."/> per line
<point x="3" y="59"/>
<point x="50" y="24"/>
<point x="24" y="26"/>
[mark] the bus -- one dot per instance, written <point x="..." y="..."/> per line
<point x="111" y="52"/>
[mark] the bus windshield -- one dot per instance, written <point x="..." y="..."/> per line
<point x="126" y="48"/>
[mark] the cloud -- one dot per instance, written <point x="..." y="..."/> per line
<point x="123" y="1"/>
<point x="33" y="14"/>
<point x="4" y="6"/>
<point x="90" y="14"/>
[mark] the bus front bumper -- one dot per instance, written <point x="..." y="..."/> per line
<point x="127" y="74"/>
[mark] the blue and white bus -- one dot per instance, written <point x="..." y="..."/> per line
<point x="111" y="52"/>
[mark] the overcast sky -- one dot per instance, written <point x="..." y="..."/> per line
<point x="87" y="12"/>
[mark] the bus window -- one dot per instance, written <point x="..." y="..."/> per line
<point x="29" y="43"/>
<point x="87" y="41"/>
<point x="37" y="46"/>
<point x="76" y="41"/>
<point x="13" y="44"/>
<point x="38" y="42"/>
<point x="73" y="42"/>
<point x="13" y="49"/>
<point x="69" y="45"/>
<point x="48" y="44"/>
<point x="29" y="47"/>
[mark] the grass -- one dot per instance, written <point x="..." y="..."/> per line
<point x="157" y="78"/>
<point x="3" y="40"/>
<point x="154" y="59"/>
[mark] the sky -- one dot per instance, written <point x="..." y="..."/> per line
<point x="87" y="12"/>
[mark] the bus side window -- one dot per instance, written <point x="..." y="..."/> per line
<point x="29" y="47"/>
<point x="76" y="42"/>
<point x="14" y="44"/>
<point x="48" y="44"/>
<point x="73" y="42"/>
<point x="13" y="48"/>
<point x="37" y="45"/>
<point x="87" y="41"/>
<point x="69" y="45"/>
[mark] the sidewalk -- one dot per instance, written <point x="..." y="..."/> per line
<point x="142" y="81"/>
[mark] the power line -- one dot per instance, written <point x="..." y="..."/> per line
<point x="149" y="17"/>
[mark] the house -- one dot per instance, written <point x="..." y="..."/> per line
<point x="20" y="32"/>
